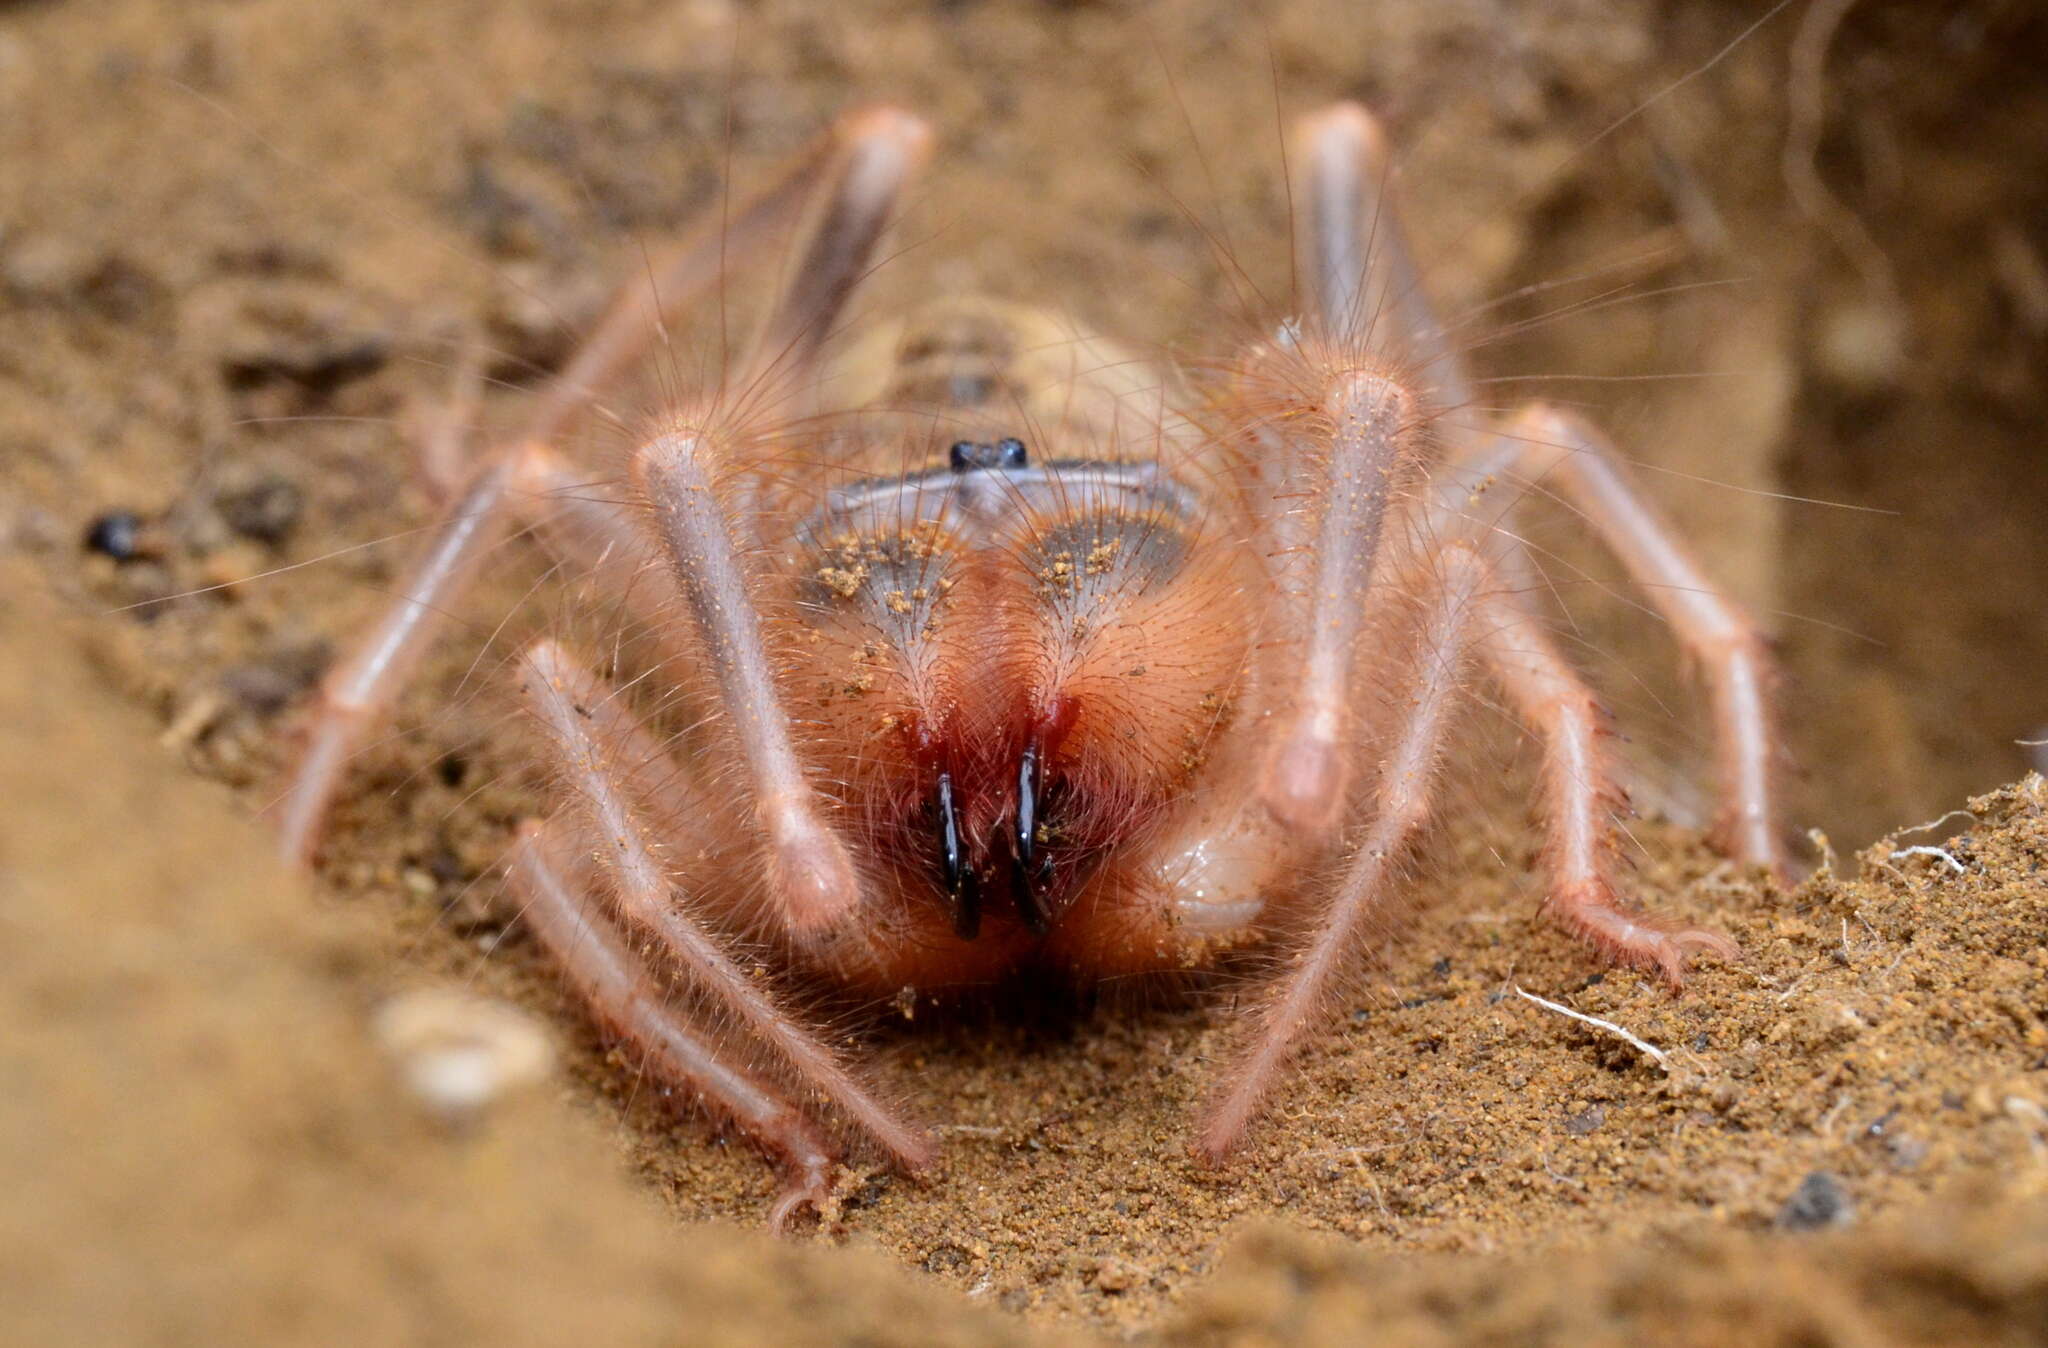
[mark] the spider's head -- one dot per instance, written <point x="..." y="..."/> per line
<point x="1022" y="665"/>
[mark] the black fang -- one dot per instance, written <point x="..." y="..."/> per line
<point x="1026" y="879"/>
<point x="961" y="888"/>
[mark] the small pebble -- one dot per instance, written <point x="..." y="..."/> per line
<point x="268" y="685"/>
<point x="116" y="534"/>
<point x="266" y="508"/>
<point x="459" y="1054"/>
<point x="1115" y="1275"/>
<point x="231" y="566"/>
<point x="1863" y="345"/>
<point x="191" y="723"/>
<point x="1819" y="1202"/>
<point x="947" y="1258"/>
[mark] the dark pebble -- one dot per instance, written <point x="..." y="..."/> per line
<point x="266" y="509"/>
<point x="115" y="534"/>
<point x="1818" y="1203"/>
<point x="269" y="685"/>
<point x="947" y="1259"/>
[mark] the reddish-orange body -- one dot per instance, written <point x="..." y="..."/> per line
<point x="1087" y="614"/>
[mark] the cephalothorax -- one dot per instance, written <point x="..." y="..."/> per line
<point x="974" y="643"/>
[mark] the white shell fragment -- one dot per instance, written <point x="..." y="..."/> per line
<point x="458" y="1053"/>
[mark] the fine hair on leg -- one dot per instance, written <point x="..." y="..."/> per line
<point x="599" y="751"/>
<point x="620" y="993"/>
<point x="1426" y="695"/>
<point x="857" y="169"/>
<point x="1580" y="797"/>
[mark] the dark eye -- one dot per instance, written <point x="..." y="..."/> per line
<point x="966" y="456"/>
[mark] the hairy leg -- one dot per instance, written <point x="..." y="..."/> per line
<point x="1579" y="794"/>
<point x="1365" y="281"/>
<point x="1365" y="436"/>
<point x="810" y="871"/>
<point x="1344" y="442"/>
<point x="1717" y="636"/>
<point x="605" y="758"/>
<point x="356" y="694"/>
<point x="1426" y="696"/>
<point x="1363" y="275"/>
<point x="620" y="994"/>
<point x="1554" y="449"/>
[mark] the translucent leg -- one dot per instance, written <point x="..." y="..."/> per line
<point x="1363" y="277"/>
<point x="1563" y="453"/>
<point x="1366" y="283"/>
<point x="1427" y="698"/>
<point x="1369" y="442"/>
<point x="604" y="756"/>
<point x="1343" y="458"/>
<point x="1716" y="634"/>
<point x="704" y="538"/>
<point x="838" y="165"/>
<point x="358" y="692"/>
<point x="1579" y="795"/>
<point x="623" y="996"/>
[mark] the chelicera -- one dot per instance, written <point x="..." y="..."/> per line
<point x="971" y="644"/>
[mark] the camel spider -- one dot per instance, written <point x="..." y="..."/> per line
<point x="1029" y="655"/>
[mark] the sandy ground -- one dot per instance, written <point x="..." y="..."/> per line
<point x="234" y="241"/>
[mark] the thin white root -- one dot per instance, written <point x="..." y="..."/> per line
<point x="1953" y="864"/>
<point x="1648" y="1050"/>
<point x="1934" y="824"/>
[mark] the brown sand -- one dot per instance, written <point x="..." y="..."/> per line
<point x="232" y="241"/>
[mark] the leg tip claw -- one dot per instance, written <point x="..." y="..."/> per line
<point x="1639" y="942"/>
<point x="810" y="1188"/>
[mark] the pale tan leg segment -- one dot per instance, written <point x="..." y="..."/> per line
<point x="1407" y="783"/>
<point x="811" y="874"/>
<point x="884" y="148"/>
<point x="837" y="165"/>
<point x="603" y="753"/>
<point x="1363" y="273"/>
<point x="1717" y="635"/>
<point x="1343" y="150"/>
<point x="1306" y="781"/>
<point x="810" y="871"/>
<point x="1360" y="275"/>
<point x="355" y="694"/>
<point x="1580" y="797"/>
<point x="618" y="991"/>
